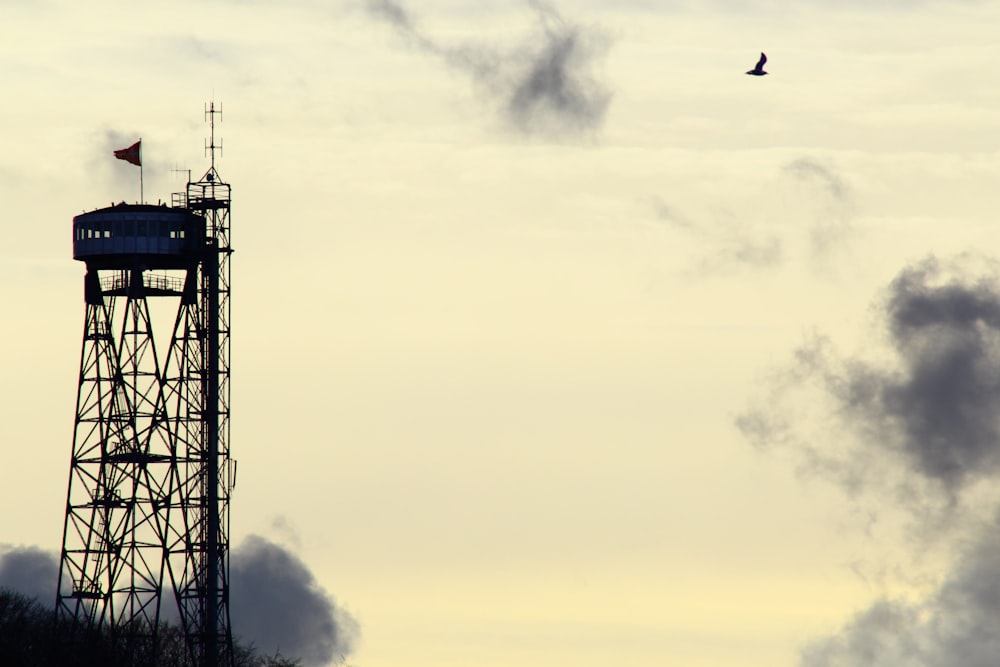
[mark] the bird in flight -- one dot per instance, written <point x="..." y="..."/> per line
<point x="758" y="70"/>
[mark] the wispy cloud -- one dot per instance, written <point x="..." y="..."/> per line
<point x="544" y="86"/>
<point x="835" y="212"/>
<point x="727" y="242"/>
<point x="751" y="239"/>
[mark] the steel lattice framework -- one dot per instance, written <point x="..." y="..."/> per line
<point x="198" y="549"/>
<point x="147" y="515"/>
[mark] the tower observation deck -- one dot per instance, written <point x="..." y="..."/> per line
<point x="121" y="236"/>
<point x="146" y="532"/>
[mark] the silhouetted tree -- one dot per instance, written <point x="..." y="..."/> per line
<point x="30" y="636"/>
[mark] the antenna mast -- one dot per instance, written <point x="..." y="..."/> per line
<point x="204" y="592"/>
<point x="210" y="113"/>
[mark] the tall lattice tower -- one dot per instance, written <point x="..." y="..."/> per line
<point x="146" y="535"/>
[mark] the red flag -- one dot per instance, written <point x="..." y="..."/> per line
<point x="131" y="154"/>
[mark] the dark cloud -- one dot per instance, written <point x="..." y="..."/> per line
<point x="923" y="423"/>
<point x="544" y="86"/>
<point x="276" y="603"/>
<point x="931" y="411"/>
<point x="279" y="606"/>
<point x="943" y="405"/>
<point x="31" y="571"/>
<point x="958" y="624"/>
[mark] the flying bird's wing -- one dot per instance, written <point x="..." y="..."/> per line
<point x="758" y="69"/>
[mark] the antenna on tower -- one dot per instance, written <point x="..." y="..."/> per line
<point x="210" y="113"/>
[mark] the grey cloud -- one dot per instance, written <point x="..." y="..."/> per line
<point x="883" y="634"/>
<point x="810" y="168"/>
<point x="554" y="83"/>
<point x="543" y="87"/>
<point x="957" y="624"/>
<point x="930" y="415"/>
<point x="729" y="241"/>
<point x="670" y="215"/>
<point x="781" y="417"/>
<point x="285" y="529"/>
<point x="31" y="571"/>
<point x="759" y="252"/>
<point x="279" y="606"/>
<point x="276" y="603"/>
<point x="944" y="405"/>
<point x="400" y="18"/>
<point x="925" y="424"/>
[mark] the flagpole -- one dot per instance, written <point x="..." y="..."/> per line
<point x="133" y="155"/>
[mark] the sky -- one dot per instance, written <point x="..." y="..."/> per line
<point x="557" y="339"/>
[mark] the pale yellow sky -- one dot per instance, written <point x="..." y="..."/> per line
<point x="489" y="378"/>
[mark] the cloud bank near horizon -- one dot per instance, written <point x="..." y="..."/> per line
<point x="275" y="601"/>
